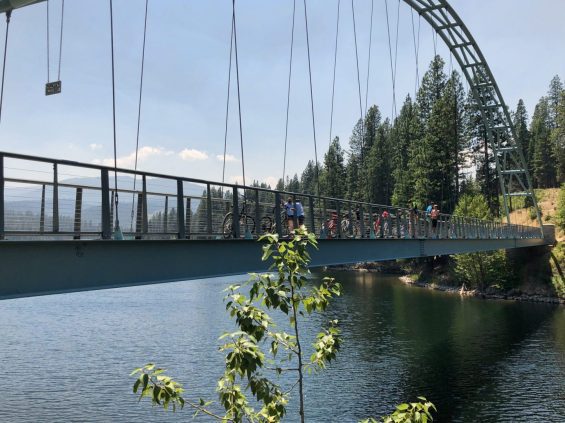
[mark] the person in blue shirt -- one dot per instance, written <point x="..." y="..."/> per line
<point x="289" y="214"/>
<point x="429" y="208"/>
<point x="299" y="210"/>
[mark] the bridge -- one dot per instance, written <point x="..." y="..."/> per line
<point x="57" y="217"/>
<point x="57" y="236"/>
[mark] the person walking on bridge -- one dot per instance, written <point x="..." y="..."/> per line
<point x="289" y="214"/>
<point x="299" y="212"/>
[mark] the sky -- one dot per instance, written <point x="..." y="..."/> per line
<point x="186" y="77"/>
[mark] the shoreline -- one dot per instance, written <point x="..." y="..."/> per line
<point x="461" y="291"/>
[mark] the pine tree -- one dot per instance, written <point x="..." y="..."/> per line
<point x="308" y="178"/>
<point x="333" y="176"/>
<point x="522" y="132"/>
<point x="379" y="186"/>
<point x="558" y="139"/>
<point x="541" y="147"/>
<point x="431" y="88"/>
<point x="553" y="98"/>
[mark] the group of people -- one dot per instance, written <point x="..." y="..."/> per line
<point x="293" y="211"/>
<point x="432" y="212"/>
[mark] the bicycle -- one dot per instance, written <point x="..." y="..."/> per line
<point x="267" y="224"/>
<point x="245" y="220"/>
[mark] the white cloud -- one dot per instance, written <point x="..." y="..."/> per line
<point x="143" y="153"/>
<point x="95" y="146"/>
<point x="193" y="154"/>
<point x="229" y="158"/>
<point x="271" y="181"/>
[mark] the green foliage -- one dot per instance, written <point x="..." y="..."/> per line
<point x="414" y="412"/>
<point x="482" y="269"/>
<point x="560" y="216"/>
<point x="258" y="348"/>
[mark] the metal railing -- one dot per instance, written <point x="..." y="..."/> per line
<point x="59" y="203"/>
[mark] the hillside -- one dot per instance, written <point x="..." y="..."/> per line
<point x="547" y="202"/>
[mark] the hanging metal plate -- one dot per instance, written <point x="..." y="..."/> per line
<point x="53" y="88"/>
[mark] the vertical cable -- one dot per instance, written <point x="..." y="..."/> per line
<point x="47" y="26"/>
<point x="312" y="98"/>
<point x="61" y="39"/>
<point x="139" y="112"/>
<point x="335" y="65"/>
<point x="8" y="16"/>
<point x="227" y="107"/>
<point x="369" y="58"/>
<point x="288" y="91"/>
<point x="117" y="219"/>
<point x="238" y="100"/>
<point x="358" y="82"/>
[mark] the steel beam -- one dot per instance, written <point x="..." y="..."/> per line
<point x="32" y="268"/>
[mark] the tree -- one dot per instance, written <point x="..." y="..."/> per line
<point x="541" y="147"/>
<point x="558" y="140"/>
<point x="522" y="132"/>
<point x="407" y="131"/>
<point x="308" y="179"/>
<point x="485" y="268"/>
<point x="554" y="98"/>
<point x="333" y="175"/>
<point x="287" y="291"/>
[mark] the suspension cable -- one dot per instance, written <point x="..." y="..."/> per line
<point x="8" y="16"/>
<point x="335" y="65"/>
<point x="416" y="42"/>
<point x="227" y="110"/>
<point x="288" y="91"/>
<point x="358" y="82"/>
<point x="369" y="58"/>
<point x="139" y="112"/>
<point x="396" y="53"/>
<point x="48" y="43"/>
<point x="392" y="66"/>
<point x="117" y="218"/>
<point x="312" y="98"/>
<point x="239" y="101"/>
<point x="61" y="39"/>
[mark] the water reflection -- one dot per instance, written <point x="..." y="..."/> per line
<point x="477" y="360"/>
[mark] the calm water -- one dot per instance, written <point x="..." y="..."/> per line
<point x="67" y="357"/>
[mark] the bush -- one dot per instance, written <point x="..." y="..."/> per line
<point x="560" y="217"/>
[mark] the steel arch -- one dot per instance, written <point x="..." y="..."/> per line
<point x="511" y="167"/>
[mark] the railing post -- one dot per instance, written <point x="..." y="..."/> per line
<point x="312" y="217"/>
<point x="139" y="217"/>
<point x="208" y="209"/>
<point x="258" y="228"/>
<point x="398" y="219"/>
<point x="235" y="213"/>
<point x="350" y="221"/>
<point x="55" y="199"/>
<point x="78" y="213"/>
<point x="166" y="215"/>
<point x="42" y="211"/>
<point x="278" y="223"/>
<point x="338" y="211"/>
<point x="361" y="219"/>
<point x="188" y="214"/>
<point x="2" y="217"/>
<point x="181" y="234"/>
<point x="105" y="188"/>
<point x="145" y="218"/>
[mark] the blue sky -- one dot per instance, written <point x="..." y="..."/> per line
<point x="182" y="128"/>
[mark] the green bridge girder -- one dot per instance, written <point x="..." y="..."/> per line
<point x="511" y="167"/>
<point x="31" y="268"/>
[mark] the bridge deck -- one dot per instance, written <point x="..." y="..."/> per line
<point x="56" y="221"/>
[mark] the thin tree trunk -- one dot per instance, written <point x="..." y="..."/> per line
<point x="299" y="353"/>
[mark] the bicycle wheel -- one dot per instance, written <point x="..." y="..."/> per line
<point x="246" y="222"/>
<point x="227" y="226"/>
<point x="266" y="225"/>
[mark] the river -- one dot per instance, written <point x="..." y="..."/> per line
<point x="68" y="357"/>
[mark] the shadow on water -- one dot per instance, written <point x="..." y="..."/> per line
<point x="413" y="342"/>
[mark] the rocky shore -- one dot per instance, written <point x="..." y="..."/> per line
<point x="537" y="295"/>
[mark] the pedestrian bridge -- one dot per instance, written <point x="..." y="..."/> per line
<point x="57" y="232"/>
